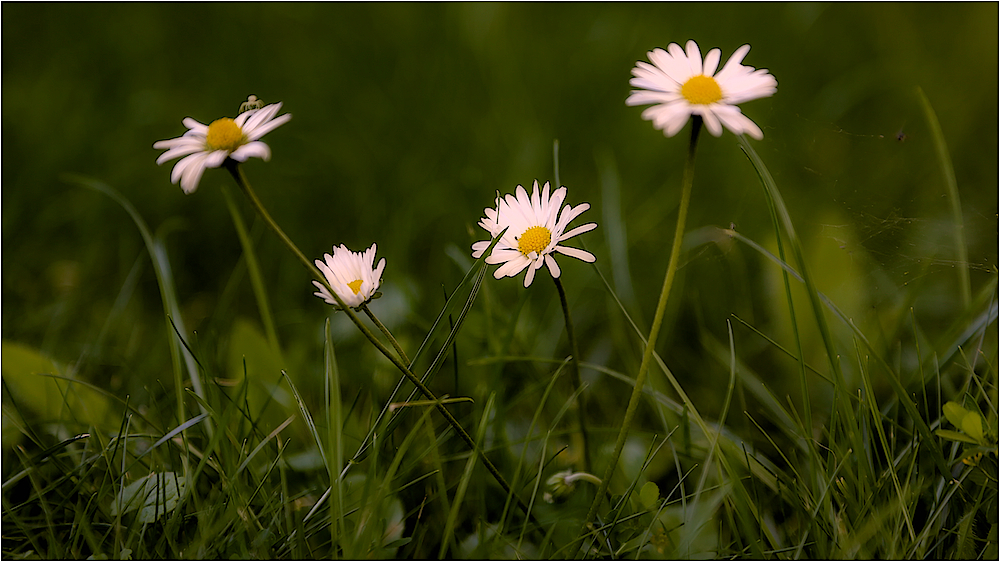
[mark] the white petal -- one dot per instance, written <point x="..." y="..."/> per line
<point x="553" y="266"/>
<point x="677" y="66"/>
<point x="501" y="255"/>
<point x="512" y="267"/>
<point x="735" y="121"/>
<point x="479" y="247"/>
<point x="694" y="58"/>
<point x="179" y="151"/>
<point x="578" y="230"/>
<point x="180" y="166"/>
<point x="536" y="204"/>
<point x="215" y="158"/>
<point x="529" y="276"/>
<point x="192" y="174"/>
<point x="746" y="87"/>
<point x="712" y="62"/>
<point x="643" y="97"/>
<point x="734" y="65"/>
<point x="194" y="127"/>
<point x="266" y="128"/>
<point x="668" y="117"/>
<point x="577" y="253"/>
<point x="256" y="149"/>
<point x="377" y="274"/>
<point x="711" y="122"/>
<point x="570" y="213"/>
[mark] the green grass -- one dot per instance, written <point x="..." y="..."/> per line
<point x="824" y="383"/>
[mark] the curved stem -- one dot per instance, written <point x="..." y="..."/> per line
<point x="647" y="354"/>
<point x="241" y="180"/>
<point x="581" y="410"/>
<point x="386" y="333"/>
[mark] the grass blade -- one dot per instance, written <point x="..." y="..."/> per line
<point x="965" y="286"/>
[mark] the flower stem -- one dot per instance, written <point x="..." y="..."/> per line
<point x="242" y="182"/>
<point x="581" y="410"/>
<point x="640" y="379"/>
<point x="385" y="331"/>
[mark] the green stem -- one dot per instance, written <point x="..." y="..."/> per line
<point x="253" y="267"/>
<point x="807" y="420"/>
<point x="640" y="379"/>
<point x="385" y="331"/>
<point x="241" y="180"/>
<point x="581" y="410"/>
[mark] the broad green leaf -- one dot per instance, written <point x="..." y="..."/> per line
<point x="40" y="388"/>
<point x="955" y="413"/>
<point x="972" y="425"/>
<point x="13" y="426"/>
<point x="153" y="496"/>
<point x="649" y="494"/>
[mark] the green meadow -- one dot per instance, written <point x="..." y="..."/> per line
<point x="784" y="348"/>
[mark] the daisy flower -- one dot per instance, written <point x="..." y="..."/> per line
<point x="535" y="228"/>
<point x="681" y="86"/>
<point x="209" y="146"/>
<point x="351" y="275"/>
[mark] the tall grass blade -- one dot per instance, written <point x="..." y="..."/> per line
<point x="463" y="483"/>
<point x="965" y="286"/>
<point x="335" y="439"/>
<point x="165" y="280"/>
<point x="253" y="268"/>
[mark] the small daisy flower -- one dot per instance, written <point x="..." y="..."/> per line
<point x="535" y="228"/>
<point x="681" y="86"/>
<point x="351" y="275"/>
<point x="209" y="146"/>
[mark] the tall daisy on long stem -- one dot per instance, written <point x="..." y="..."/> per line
<point x="534" y="230"/>
<point x="684" y="87"/>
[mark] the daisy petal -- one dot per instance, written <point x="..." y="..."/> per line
<point x="582" y="255"/>
<point x="553" y="266"/>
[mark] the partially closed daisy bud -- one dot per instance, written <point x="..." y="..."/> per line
<point x="209" y="146"/>
<point x="681" y="86"/>
<point x="535" y="228"/>
<point x="351" y="275"/>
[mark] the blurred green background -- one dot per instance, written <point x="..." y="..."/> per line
<point x="408" y="118"/>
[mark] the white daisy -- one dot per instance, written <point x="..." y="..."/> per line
<point x="350" y="274"/>
<point x="208" y="146"/>
<point x="681" y="86"/>
<point x="534" y="230"/>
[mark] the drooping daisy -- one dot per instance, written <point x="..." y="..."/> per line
<point x="535" y="227"/>
<point x="681" y="86"/>
<point x="350" y="274"/>
<point x="208" y="146"/>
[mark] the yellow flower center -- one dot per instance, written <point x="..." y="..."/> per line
<point x="355" y="286"/>
<point x="224" y="134"/>
<point x="701" y="90"/>
<point x="535" y="239"/>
